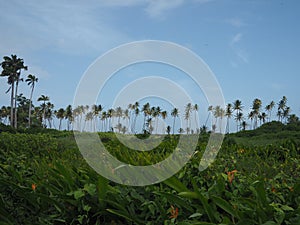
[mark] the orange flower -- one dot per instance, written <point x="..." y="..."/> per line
<point x="33" y="187"/>
<point x="230" y="175"/>
<point x="173" y="212"/>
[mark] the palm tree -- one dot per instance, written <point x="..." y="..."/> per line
<point x="60" y="114"/>
<point x="256" y="105"/>
<point x="237" y="106"/>
<point x="263" y="117"/>
<point x="187" y="116"/>
<point x="146" y="111"/>
<point x="228" y="114"/>
<point x="164" y="115"/>
<point x="209" y="109"/>
<point x="196" y="109"/>
<point x="281" y="108"/>
<point x="251" y="117"/>
<point x="44" y="99"/>
<point x="174" y="113"/>
<point x="12" y="67"/>
<point x="269" y="109"/>
<point x="31" y="80"/>
<point x="244" y="125"/>
<point x="168" y="130"/>
<point x="239" y="117"/>
<point x="286" y="113"/>
<point x="156" y="114"/>
<point x="69" y="115"/>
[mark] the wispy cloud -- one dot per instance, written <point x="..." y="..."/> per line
<point x="236" y="38"/>
<point x="72" y="28"/>
<point x="236" y="22"/>
<point x="157" y="8"/>
<point x="240" y="53"/>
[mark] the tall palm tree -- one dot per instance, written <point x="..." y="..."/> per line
<point x="286" y="113"/>
<point x="256" y="105"/>
<point x="210" y="110"/>
<point x="187" y="116"/>
<point x="31" y="81"/>
<point x="156" y="114"/>
<point x="164" y="115"/>
<point x="238" y="107"/>
<point x="251" y="117"/>
<point x="44" y="99"/>
<point x="146" y="111"/>
<point x="12" y="67"/>
<point x="239" y="117"/>
<point x="60" y="114"/>
<point x="269" y="109"/>
<point x="228" y="114"/>
<point x="196" y="109"/>
<point x="281" y="108"/>
<point x="174" y="113"/>
<point x="69" y="115"/>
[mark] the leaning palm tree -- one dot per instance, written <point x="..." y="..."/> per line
<point x="31" y="80"/>
<point x="69" y="115"/>
<point x="12" y="67"/>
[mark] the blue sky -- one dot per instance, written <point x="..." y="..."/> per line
<point x="251" y="46"/>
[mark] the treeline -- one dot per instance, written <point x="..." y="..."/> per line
<point x="22" y="112"/>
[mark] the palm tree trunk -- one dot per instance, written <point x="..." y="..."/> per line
<point x="16" y="109"/>
<point x="12" y="104"/>
<point x="30" y="104"/>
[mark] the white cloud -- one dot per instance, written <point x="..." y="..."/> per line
<point x="70" y="28"/>
<point x="236" y="22"/>
<point x="242" y="55"/>
<point x="157" y="8"/>
<point x="237" y="38"/>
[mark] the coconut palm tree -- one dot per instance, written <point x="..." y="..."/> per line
<point x="174" y="113"/>
<point x="44" y="99"/>
<point x="12" y="67"/>
<point x="146" y="111"/>
<point x="31" y="81"/>
<point x="196" y="109"/>
<point x="239" y="117"/>
<point x="210" y="110"/>
<point x="164" y="115"/>
<point x="238" y="107"/>
<point x="69" y="115"/>
<point x="269" y="109"/>
<point x="187" y="116"/>
<point x="251" y="117"/>
<point x="60" y="115"/>
<point x="256" y="105"/>
<point x="228" y="114"/>
<point x="281" y="108"/>
<point x="168" y="130"/>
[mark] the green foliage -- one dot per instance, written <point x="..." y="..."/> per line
<point x="45" y="180"/>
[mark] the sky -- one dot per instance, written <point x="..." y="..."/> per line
<point x="252" y="46"/>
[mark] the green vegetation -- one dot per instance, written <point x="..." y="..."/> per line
<point x="45" y="180"/>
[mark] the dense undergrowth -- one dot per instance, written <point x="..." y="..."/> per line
<point x="45" y="180"/>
